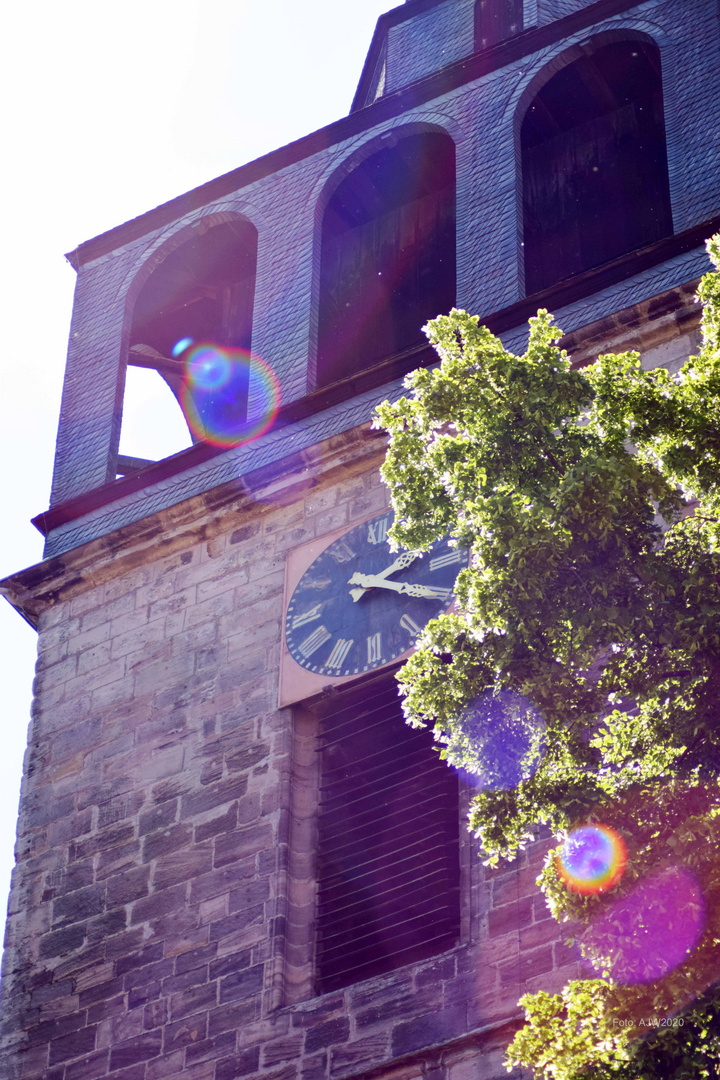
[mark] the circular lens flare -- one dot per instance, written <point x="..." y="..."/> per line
<point x="592" y="859"/>
<point x="645" y="935"/>
<point x="180" y="346"/>
<point x="208" y="368"/>
<point x="504" y="739"/>
<point x="229" y="396"/>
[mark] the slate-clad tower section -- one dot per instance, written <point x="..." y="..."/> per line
<point x="182" y="882"/>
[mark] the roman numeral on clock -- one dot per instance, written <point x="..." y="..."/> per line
<point x="342" y="552"/>
<point x="340" y="650"/>
<point x="377" y="531"/>
<point x="439" y="594"/>
<point x="445" y="560"/>
<point x="410" y="625"/>
<point x="374" y="648"/>
<point x="310" y="615"/>
<point x="313" y="641"/>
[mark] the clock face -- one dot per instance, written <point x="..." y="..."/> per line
<point x="359" y="606"/>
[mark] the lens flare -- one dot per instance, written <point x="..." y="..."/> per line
<point x="229" y="396"/>
<point x="208" y="368"/>
<point x="180" y="346"/>
<point x="648" y="933"/>
<point x="503" y="739"/>
<point x="592" y="860"/>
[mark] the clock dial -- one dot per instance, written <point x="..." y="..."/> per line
<point x="359" y="606"/>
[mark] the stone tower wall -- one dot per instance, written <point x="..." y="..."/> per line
<point x="150" y="929"/>
<point x="165" y="879"/>
<point x="163" y="900"/>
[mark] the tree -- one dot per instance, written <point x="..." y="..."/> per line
<point x="587" y="646"/>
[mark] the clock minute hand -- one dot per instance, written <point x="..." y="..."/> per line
<point x="376" y="581"/>
<point x="402" y="561"/>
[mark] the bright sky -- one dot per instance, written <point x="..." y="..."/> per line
<point x="109" y="110"/>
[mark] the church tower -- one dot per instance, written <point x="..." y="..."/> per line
<point x="233" y="858"/>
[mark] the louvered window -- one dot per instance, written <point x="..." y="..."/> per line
<point x="594" y="161"/>
<point x="388" y="846"/>
<point x="387" y="261"/>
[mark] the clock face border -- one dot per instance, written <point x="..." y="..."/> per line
<point x="297" y="683"/>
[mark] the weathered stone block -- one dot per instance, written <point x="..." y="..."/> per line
<point x="360" y="1054"/>
<point x="185" y="864"/>
<point x="183" y="1032"/>
<point x="132" y="960"/>
<point x="135" y="1050"/>
<point x="221" y="824"/>
<point x="195" y="977"/>
<point x="164" y="902"/>
<point x="194" y="958"/>
<point x="326" y="1033"/>
<point x="429" y="1030"/>
<point x="158" y="818"/>
<point x="61" y="942"/>
<point x="211" y="1049"/>
<point x="105" y="1010"/>
<point x="436" y="972"/>
<point x="120" y="1028"/>
<point x="279" y="1050"/>
<point x="402" y="1005"/>
<point x="129" y="886"/>
<point x="233" y="1016"/>
<point x="170" y="1065"/>
<point x="45" y="1031"/>
<point x="155" y="1015"/>
<point x="145" y="976"/>
<point x="226" y="791"/>
<point x="241" y="984"/>
<point x="243" y="1064"/>
<point x="73" y="1045"/>
<point x="215" y="883"/>
<point x="101" y="992"/>
<point x="194" y="1000"/>
<point x="88" y="1068"/>
<point x="141" y="995"/>
<point x="225" y="965"/>
<point x="540" y="933"/>
<point x="255" y="892"/>
<point x="243" y="843"/>
<point x="527" y="966"/>
<point x="509" y="917"/>
<point x="314" y="1068"/>
<point x="240" y="920"/>
<point x="104" y="927"/>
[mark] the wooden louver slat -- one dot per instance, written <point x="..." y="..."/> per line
<point x="388" y="845"/>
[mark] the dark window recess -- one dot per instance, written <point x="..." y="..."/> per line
<point x="496" y="20"/>
<point x="204" y="290"/>
<point x="594" y="163"/>
<point x="387" y="255"/>
<point x="388" y="847"/>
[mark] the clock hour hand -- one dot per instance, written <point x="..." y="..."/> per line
<point x="401" y="563"/>
<point x="377" y="581"/>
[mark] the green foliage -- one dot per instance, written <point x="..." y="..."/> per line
<point x="584" y="1032"/>
<point x="591" y="501"/>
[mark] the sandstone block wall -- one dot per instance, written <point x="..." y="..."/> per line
<point x="147" y="932"/>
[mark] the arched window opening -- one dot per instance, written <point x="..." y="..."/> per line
<point x="594" y="163"/>
<point x="387" y="255"/>
<point x="203" y="292"/>
<point x="152" y="426"/>
<point x="496" y="20"/>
